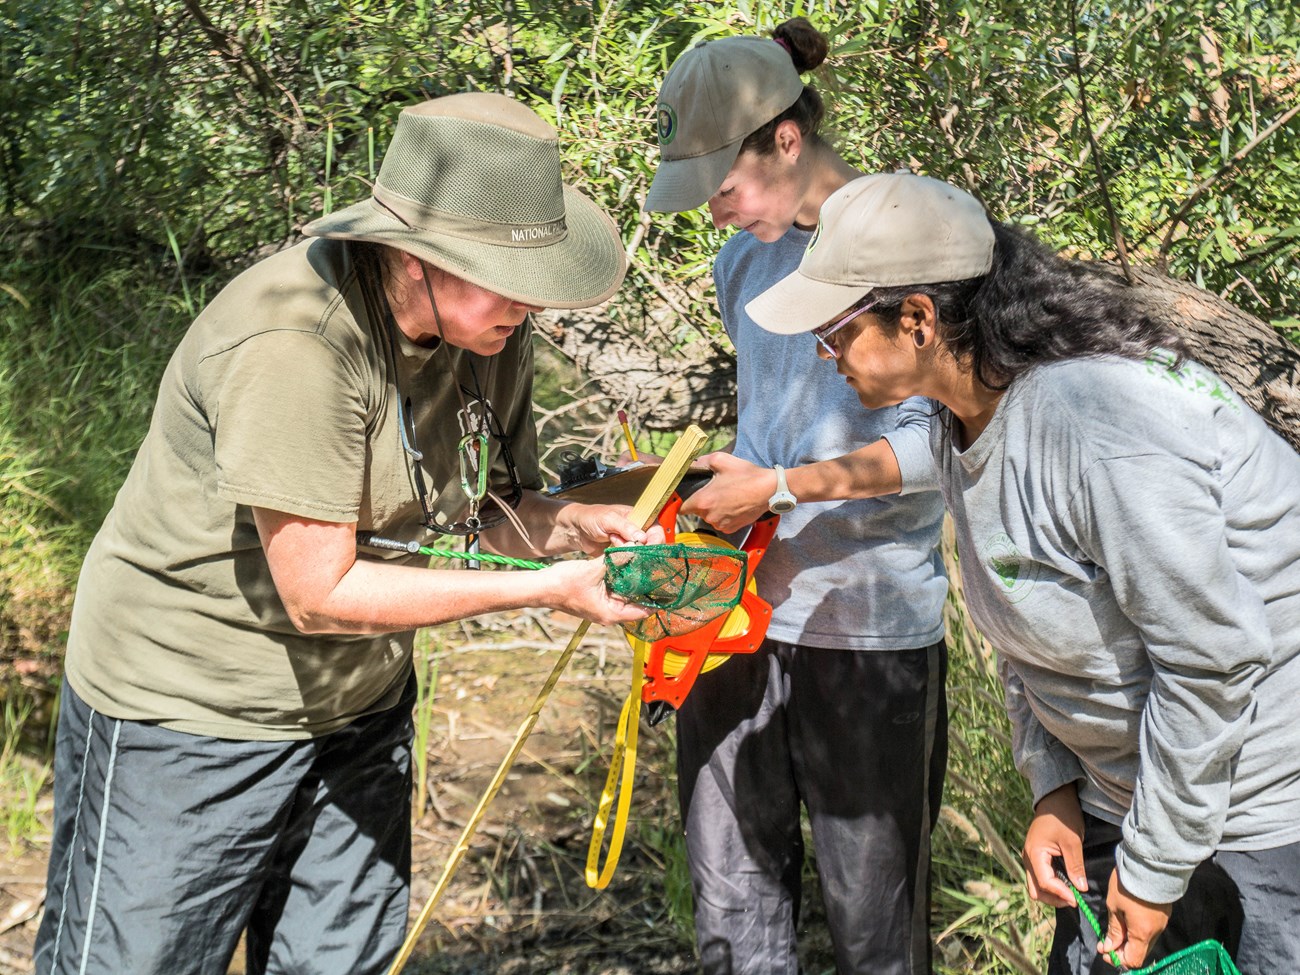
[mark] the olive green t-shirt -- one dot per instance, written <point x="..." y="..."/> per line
<point x="283" y="394"/>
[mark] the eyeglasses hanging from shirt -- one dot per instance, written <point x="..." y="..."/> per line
<point x="478" y="429"/>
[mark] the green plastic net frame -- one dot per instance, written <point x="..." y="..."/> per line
<point x="688" y="586"/>
<point x="1203" y="958"/>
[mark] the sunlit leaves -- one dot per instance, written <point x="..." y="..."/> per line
<point x="211" y="116"/>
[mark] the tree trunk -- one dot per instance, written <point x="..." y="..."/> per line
<point x="661" y="391"/>
<point x="668" y="391"/>
<point x="1258" y="362"/>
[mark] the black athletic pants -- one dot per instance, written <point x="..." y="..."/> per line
<point x="860" y="739"/>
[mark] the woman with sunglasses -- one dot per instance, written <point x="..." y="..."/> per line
<point x="842" y="709"/>
<point x="1129" y="532"/>
<point x="234" y="745"/>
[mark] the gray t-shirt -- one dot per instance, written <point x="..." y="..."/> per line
<point x="1130" y="542"/>
<point x="857" y="575"/>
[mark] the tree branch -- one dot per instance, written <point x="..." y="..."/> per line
<point x="231" y="51"/>
<point x="1162" y="255"/>
<point x="1115" y="230"/>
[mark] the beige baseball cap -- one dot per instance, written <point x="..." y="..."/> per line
<point x="883" y="230"/>
<point x="715" y="95"/>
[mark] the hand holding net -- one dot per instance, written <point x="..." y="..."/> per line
<point x="1203" y="958"/>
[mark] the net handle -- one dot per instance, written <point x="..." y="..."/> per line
<point x="1113" y="957"/>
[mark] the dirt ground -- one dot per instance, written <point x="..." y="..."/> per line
<point x="518" y="903"/>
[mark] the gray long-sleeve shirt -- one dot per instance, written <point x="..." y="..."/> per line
<point x="1130" y="542"/>
<point x="857" y="575"/>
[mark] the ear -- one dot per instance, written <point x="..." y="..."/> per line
<point x="918" y="319"/>
<point x="412" y="265"/>
<point x="789" y="140"/>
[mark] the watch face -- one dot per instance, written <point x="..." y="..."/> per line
<point x="781" y="505"/>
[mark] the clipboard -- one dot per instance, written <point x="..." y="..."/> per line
<point x="623" y="485"/>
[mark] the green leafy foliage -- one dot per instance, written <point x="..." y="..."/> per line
<point x="21" y="778"/>
<point x="210" y="130"/>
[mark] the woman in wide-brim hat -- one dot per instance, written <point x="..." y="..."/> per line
<point x="1129" y="532"/>
<point x="234" y="742"/>
<point x="471" y="184"/>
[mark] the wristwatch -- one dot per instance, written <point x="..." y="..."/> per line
<point x="783" y="500"/>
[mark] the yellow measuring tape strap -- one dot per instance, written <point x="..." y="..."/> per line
<point x="462" y="844"/>
<point x="622" y="770"/>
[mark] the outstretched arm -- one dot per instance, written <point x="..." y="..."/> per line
<point x="557" y="527"/>
<point x="327" y="589"/>
<point x="899" y="462"/>
<point x="739" y="491"/>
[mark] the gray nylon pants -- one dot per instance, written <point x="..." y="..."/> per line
<point x="167" y="846"/>
<point x="860" y="739"/>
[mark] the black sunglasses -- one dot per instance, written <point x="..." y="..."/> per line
<point x="475" y="465"/>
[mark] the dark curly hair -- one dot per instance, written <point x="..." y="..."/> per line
<point x="1032" y="307"/>
<point x="808" y="48"/>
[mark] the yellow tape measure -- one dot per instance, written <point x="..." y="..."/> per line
<point x="622" y="770"/>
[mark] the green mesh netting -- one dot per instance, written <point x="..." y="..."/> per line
<point x="687" y="585"/>
<point x="1203" y="958"/>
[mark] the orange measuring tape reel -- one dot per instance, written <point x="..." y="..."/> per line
<point x="674" y="662"/>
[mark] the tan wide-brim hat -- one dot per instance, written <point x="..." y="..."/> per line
<point x="716" y="94"/>
<point x="471" y="183"/>
<point x="880" y="231"/>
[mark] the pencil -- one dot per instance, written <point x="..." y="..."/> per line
<point x="627" y="432"/>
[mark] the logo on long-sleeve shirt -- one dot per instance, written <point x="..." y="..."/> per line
<point x="1192" y="377"/>
<point x="1015" y="573"/>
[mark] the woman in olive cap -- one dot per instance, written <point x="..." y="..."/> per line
<point x="841" y="711"/>
<point x="235" y="738"/>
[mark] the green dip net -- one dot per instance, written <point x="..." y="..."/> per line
<point x="1205" y="958"/>
<point x="687" y="585"/>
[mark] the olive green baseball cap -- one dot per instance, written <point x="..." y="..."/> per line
<point x="878" y="231"/>
<point x="715" y="95"/>
<point x="471" y="183"/>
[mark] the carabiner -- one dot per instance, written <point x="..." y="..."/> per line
<point x="474" y="467"/>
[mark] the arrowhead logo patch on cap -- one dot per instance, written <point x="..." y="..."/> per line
<point x="812" y="242"/>
<point x="667" y="124"/>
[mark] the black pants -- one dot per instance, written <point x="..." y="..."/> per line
<point x="860" y="739"/>
<point x="1247" y="901"/>
<point x="167" y="845"/>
